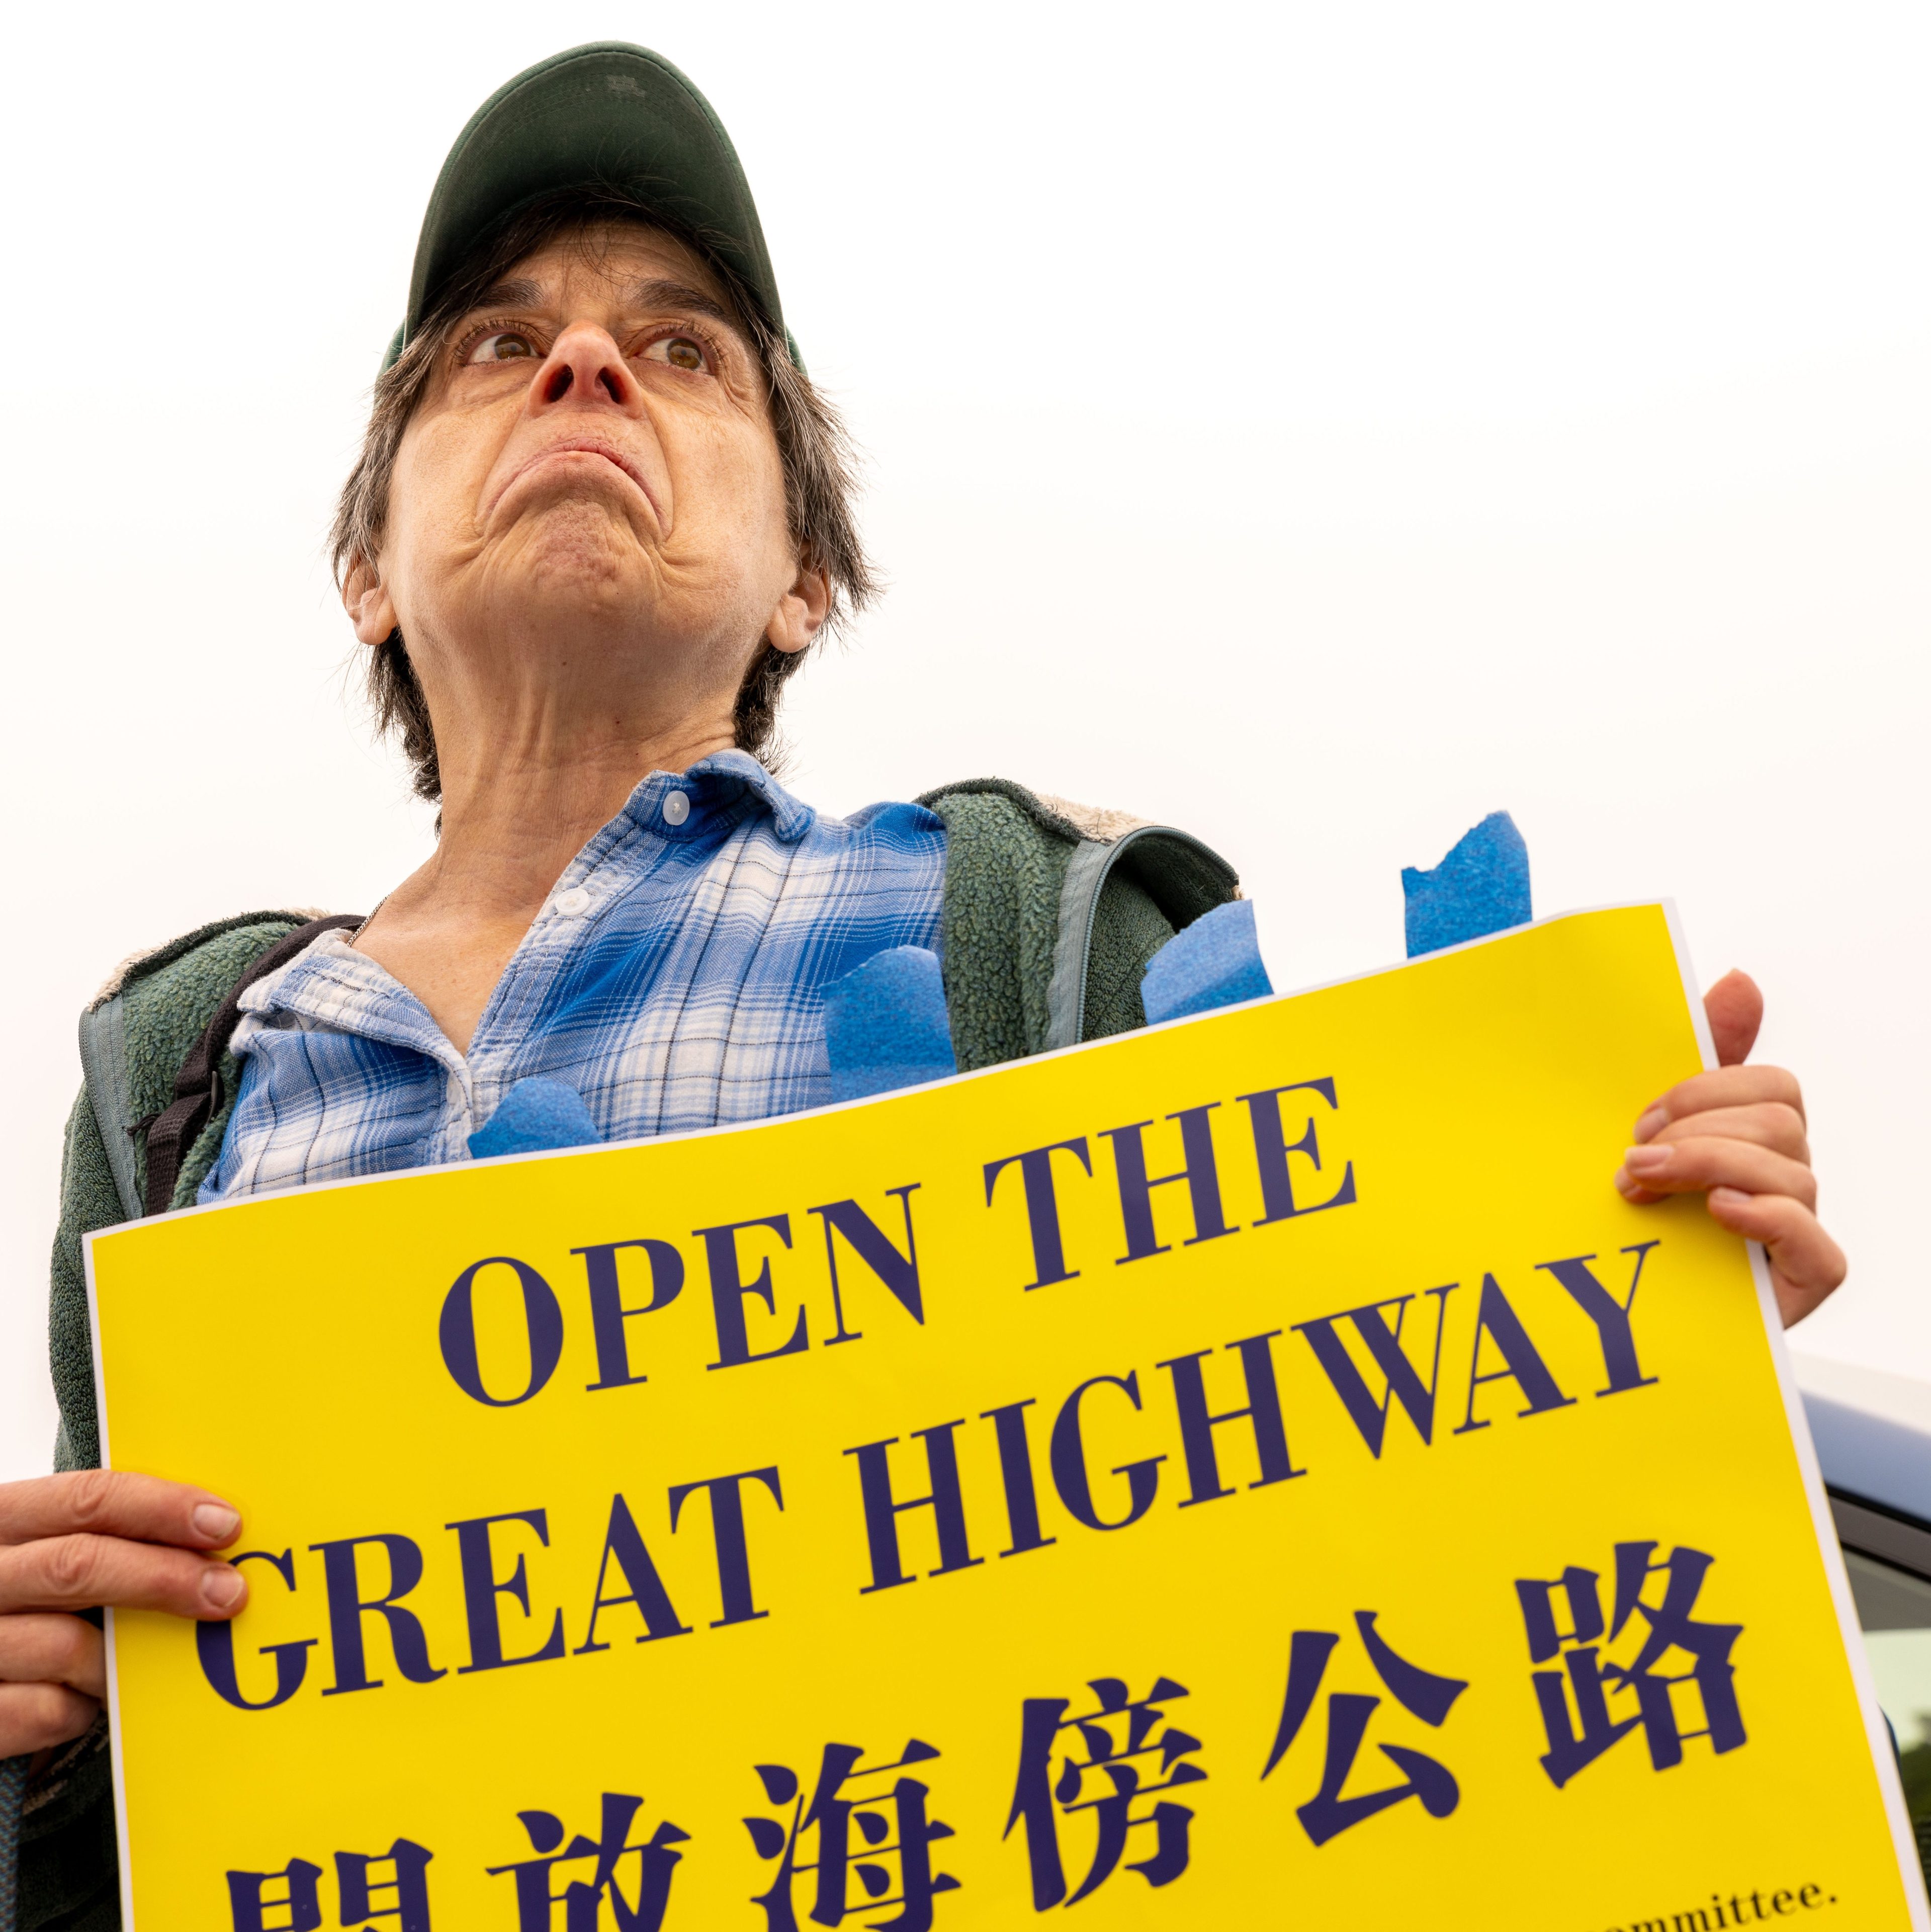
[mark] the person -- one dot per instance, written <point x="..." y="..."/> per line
<point x="600" y="516"/>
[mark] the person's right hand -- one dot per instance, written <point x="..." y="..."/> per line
<point x="74" y="1542"/>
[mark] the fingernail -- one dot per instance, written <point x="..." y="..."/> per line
<point x="1625" y="1186"/>
<point x="216" y="1521"/>
<point x="1651" y="1124"/>
<point x="1730" y="1198"/>
<point x="221" y="1588"/>
<point x="1648" y="1160"/>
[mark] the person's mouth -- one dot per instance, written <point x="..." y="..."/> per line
<point x="584" y="445"/>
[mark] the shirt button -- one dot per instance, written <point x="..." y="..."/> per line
<point x="676" y="808"/>
<point x="572" y="902"/>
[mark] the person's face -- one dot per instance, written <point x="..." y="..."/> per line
<point x="593" y="464"/>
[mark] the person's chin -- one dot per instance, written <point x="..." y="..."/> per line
<point x="576" y="549"/>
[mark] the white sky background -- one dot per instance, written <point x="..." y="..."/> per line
<point x="1314" y="426"/>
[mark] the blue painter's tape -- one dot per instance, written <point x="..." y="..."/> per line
<point x="1214" y="962"/>
<point x="536" y="1117"/>
<point x="1481" y="887"/>
<point x="886" y="1025"/>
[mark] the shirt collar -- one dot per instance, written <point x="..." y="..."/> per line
<point x="727" y="784"/>
<point x="332" y="985"/>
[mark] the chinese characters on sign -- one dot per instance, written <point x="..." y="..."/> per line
<point x="1327" y="1814"/>
<point x="583" y="1898"/>
<point x="1132" y="1754"/>
<point x="394" y="1885"/>
<point x="1094" y="1778"/>
<point x="894" y="1841"/>
<point x="1576" y="1708"/>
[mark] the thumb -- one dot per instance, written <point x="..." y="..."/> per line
<point x="1735" y="1008"/>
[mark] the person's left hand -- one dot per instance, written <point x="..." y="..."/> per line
<point x="1738" y="1134"/>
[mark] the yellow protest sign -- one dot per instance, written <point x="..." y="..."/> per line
<point x="1252" y="1471"/>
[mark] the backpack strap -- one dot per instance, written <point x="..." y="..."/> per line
<point x="1185" y="880"/>
<point x="109" y="1096"/>
<point x="1051" y="912"/>
<point x="197" y="1086"/>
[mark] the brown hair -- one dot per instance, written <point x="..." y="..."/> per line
<point x="818" y="464"/>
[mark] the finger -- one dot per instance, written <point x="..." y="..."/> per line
<point x="1690" y="1166"/>
<point x="34" y="1717"/>
<point x="115" y="1502"/>
<point x="1729" y="1087"/>
<point x="36" y="1649"/>
<point x="1805" y="1264"/>
<point x="75" y="1573"/>
<point x="1771" y="1125"/>
<point x="1734" y="1007"/>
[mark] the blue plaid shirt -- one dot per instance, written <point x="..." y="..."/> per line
<point x="673" y="979"/>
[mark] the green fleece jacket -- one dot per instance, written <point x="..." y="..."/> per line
<point x="1050" y="915"/>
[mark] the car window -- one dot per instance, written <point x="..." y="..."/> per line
<point x="1893" y="1593"/>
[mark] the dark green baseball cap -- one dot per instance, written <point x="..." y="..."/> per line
<point x="608" y="115"/>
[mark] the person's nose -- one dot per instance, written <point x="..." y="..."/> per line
<point x="585" y="370"/>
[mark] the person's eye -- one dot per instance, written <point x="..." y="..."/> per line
<point x="501" y="345"/>
<point x="681" y="352"/>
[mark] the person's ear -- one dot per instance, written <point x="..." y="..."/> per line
<point x="367" y="604"/>
<point x="801" y="612"/>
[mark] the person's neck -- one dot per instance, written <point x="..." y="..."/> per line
<point x="537" y="751"/>
<point x="542" y="731"/>
<point x="512" y="823"/>
<point x="514" y="814"/>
